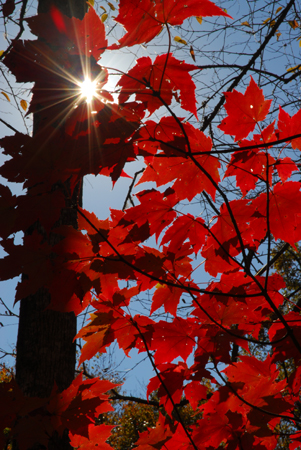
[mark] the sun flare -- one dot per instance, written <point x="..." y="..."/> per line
<point x="88" y="89"/>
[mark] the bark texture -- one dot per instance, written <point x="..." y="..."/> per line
<point x="46" y="352"/>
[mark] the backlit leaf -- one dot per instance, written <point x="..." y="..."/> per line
<point x="23" y="104"/>
<point x="5" y="95"/>
<point x="180" y="40"/>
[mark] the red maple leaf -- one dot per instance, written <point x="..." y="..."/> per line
<point x="169" y="296"/>
<point x="185" y="227"/>
<point x="190" y="178"/>
<point x="172" y="376"/>
<point x="96" y="440"/>
<point x="81" y="37"/>
<point x="289" y="126"/>
<point x="165" y="77"/>
<point x="144" y="19"/>
<point x="156" y="437"/>
<point x="171" y="340"/>
<point x="285" y="167"/>
<point x="223" y="243"/>
<point x="244" y="111"/>
<point x="284" y="209"/>
<point x="156" y="208"/>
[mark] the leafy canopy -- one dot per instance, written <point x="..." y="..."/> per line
<point x="108" y="263"/>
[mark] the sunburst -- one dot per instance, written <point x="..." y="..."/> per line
<point x="88" y="89"/>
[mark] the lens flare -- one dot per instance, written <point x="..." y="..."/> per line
<point x="88" y="89"/>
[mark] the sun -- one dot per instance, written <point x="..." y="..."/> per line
<point x="88" y="89"/>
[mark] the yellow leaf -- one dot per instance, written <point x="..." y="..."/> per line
<point x="293" y="69"/>
<point x="192" y="53"/>
<point x="111" y="6"/>
<point x="278" y="9"/>
<point x="1" y="53"/>
<point x="102" y="7"/>
<point x="23" y="104"/>
<point x="272" y="23"/>
<point x="294" y="24"/>
<point x="199" y="19"/>
<point x="246" y="24"/>
<point x="278" y="36"/>
<point x="266" y="21"/>
<point x="104" y="17"/>
<point x="5" y="95"/>
<point x="90" y="3"/>
<point x="180" y="40"/>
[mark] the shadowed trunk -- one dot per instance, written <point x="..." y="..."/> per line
<point x="45" y="347"/>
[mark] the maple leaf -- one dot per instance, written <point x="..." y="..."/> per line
<point x="244" y="111"/>
<point x="284" y="349"/>
<point x="164" y="77"/>
<point x="156" y="437"/>
<point x="187" y="174"/>
<point x="285" y="167"/>
<point x="289" y="126"/>
<point x="171" y="340"/>
<point x="143" y="19"/>
<point x="250" y="166"/>
<point x="169" y="296"/>
<point x="7" y="209"/>
<point x="97" y="334"/>
<point x="156" y="208"/>
<point x="81" y="37"/>
<point x="97" y="436"/>
<point x="223" y="244"/>
<point x="185" y="227"/>
<point x="195" y="392"/>
<point x="173" y="376"/>
<point x="8" y="8"/>
<point x="284" y="209"/>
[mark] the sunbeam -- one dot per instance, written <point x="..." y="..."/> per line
<point x="88" y="89"/>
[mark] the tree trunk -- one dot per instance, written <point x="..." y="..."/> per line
<point x="46" y="352"/>
<point x="71" y="8"/>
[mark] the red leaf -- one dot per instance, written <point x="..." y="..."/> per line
<point x="172" y="376"/>
<point x="143" y="19"/>
<point x="81" y="37"/>
<point x="183" y="228"/>
<point x="171" y="340"/>
<point x="289" y="126"/>
<point x="191" y="175"/>
<point x="284" y="208"/>
<point x="98" y="434"/>
<point x="168" y="296"/>
<point x="165" y="76"/>
<point x="244" y="111"/>
<point x="195" y="392"/>
<point x="250" y="166"/>
<point x="155" y="437"/>
<point x="155" y="208"/>
<point x="285" y="167"/>
<point x="223" y="244"/>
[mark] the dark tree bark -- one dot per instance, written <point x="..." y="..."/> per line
<point x="71" y="8"/>
<point x="46" y="352"/>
